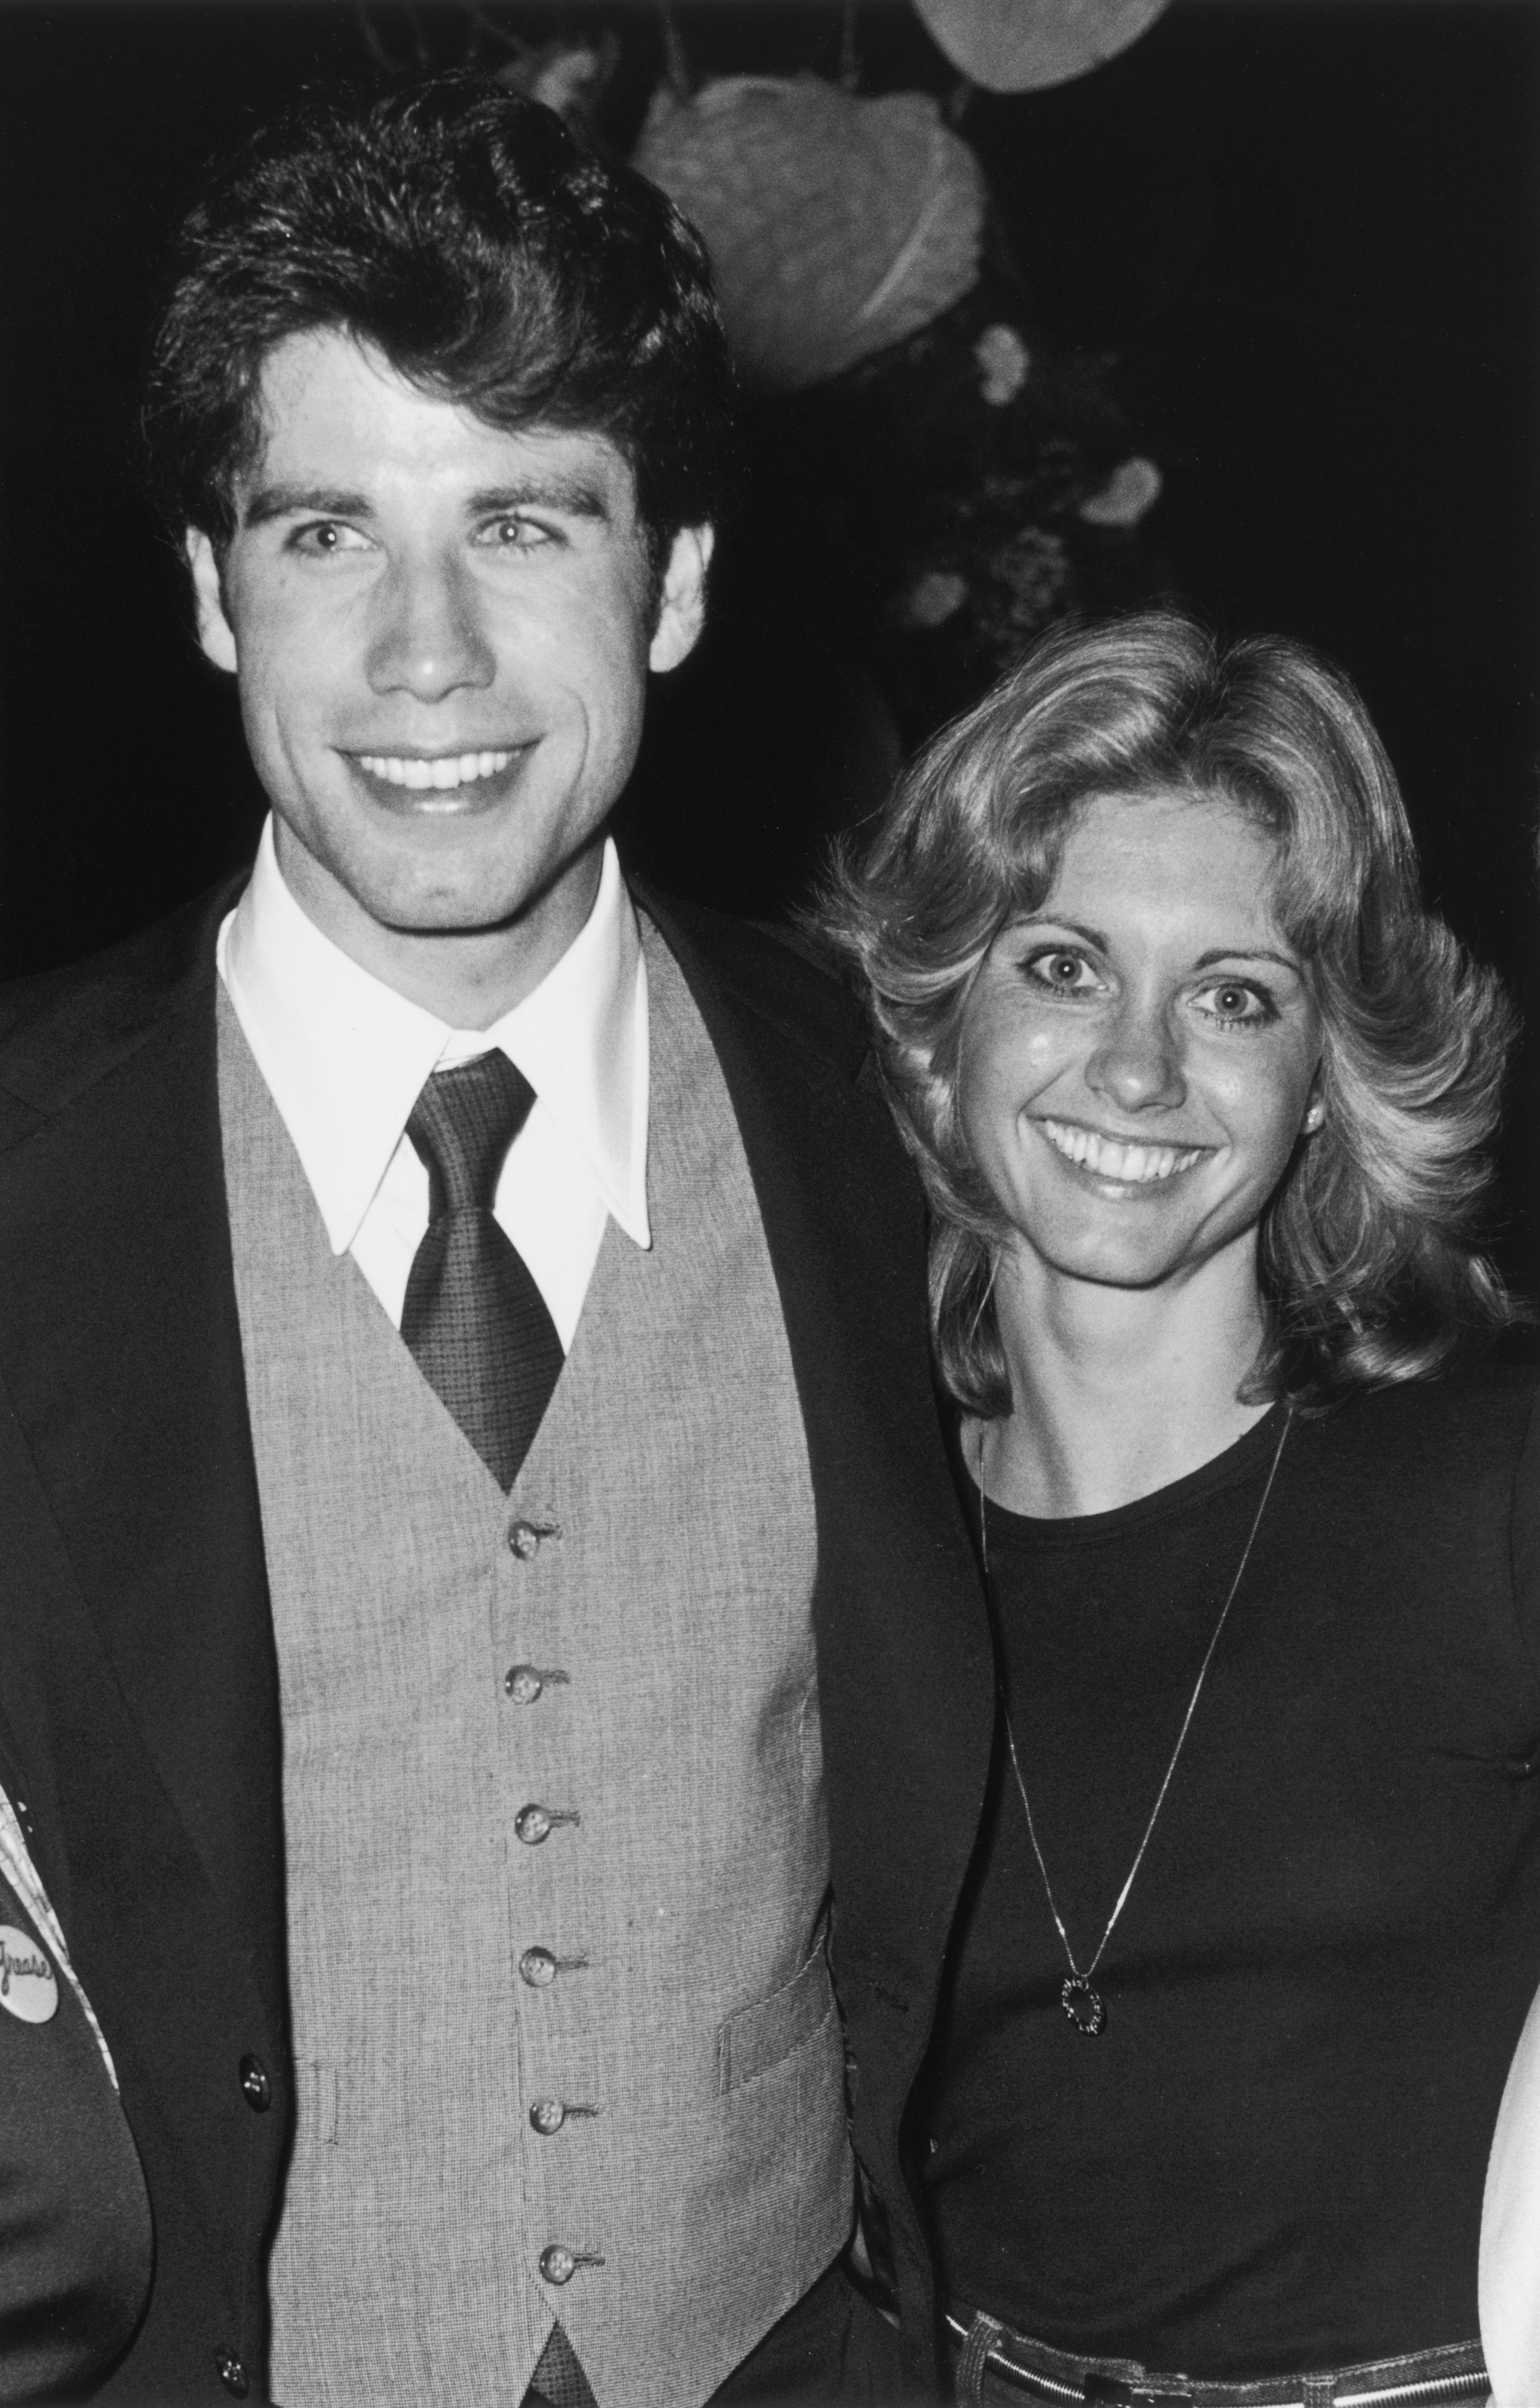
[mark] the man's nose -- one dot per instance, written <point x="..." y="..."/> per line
<point x="427" y="636"/>
<point x="1138" y="1066"/>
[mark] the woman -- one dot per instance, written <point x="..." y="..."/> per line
<point x="1197" y="1088"/>
<point x="76" y="2245"/>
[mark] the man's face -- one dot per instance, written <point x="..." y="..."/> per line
<point x="442" y="634"/>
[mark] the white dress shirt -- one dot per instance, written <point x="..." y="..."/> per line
<point x="345" y="1058"/>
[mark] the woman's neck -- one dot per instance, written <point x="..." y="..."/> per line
<point x="1116" y="1390"/>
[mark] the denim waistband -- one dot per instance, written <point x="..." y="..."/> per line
<point x="993" y="2363"/>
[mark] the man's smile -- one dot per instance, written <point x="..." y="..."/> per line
<point x="419" y="770"/>
<point x="1126" y="1162"/>
<point x="422" y="786"/>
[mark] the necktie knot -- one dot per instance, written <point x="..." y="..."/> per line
<point x="462" y="1125"/>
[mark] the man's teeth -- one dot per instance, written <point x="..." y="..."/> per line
<point x="1136" y="1165"/>
<point x="458" y="770"/>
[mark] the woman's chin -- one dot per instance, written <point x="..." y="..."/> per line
<point x="1138" y="1252"/>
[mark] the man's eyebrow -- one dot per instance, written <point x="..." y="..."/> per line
<point x="543" y="489"/>
<point x="548" y="489"/>
<point x="282" y="501"/>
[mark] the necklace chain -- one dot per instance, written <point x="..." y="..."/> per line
<point x="1078" y="1979"/>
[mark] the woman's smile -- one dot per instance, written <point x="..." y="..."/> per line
<point x="1120" y="1163"/>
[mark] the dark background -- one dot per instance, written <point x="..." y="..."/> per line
<point x="1297" y="238"/>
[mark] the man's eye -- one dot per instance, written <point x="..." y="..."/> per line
<point x="1235" y="1003"/>
<point x="516" y="535"/>
<point x="324" y="539"/>
<point x="1065" y="973"/>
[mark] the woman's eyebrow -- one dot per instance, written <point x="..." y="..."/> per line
<point x="1093" y="936"/>
<point x="1249" y="953"/>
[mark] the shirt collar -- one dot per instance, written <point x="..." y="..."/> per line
<point x="345" y="1056"/>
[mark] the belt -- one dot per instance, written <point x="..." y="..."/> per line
<point x="1423" y="2378"/>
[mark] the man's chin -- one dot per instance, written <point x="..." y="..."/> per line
<point x="466" y="900"/>
<point x="407" y="899"/>
<point x="362" y="896"/>
<point x="543" y="903"/>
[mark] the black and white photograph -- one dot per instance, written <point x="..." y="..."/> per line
<point x="770" y="1203"/>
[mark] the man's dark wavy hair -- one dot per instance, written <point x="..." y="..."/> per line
<point x="462" y="232"/>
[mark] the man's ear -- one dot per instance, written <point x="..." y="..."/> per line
<point x="682" y="610"/>
<point x="215" y="633"/>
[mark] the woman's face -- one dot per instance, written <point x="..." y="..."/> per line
<point x="1137" y="1057"/>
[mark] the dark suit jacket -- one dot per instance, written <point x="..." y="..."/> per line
<point x="138" y="1655"/>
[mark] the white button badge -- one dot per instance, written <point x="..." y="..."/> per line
<point x="28" y="1990"/>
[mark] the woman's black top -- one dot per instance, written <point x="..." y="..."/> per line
<point x="1272" y="2157"/>
<point x="74" y="2232"/>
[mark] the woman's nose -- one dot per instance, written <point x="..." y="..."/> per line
<point x="428" y="638"/>
<point x="1138" y="1066"/>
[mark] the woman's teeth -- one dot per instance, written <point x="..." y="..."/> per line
<point x="1113" y="1158"/>
<point x="458" y="770"/>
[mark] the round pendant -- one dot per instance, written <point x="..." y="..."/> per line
<point x="1083" y="2005"/>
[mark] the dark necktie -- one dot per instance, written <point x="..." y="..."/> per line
<point x="558" y="2380"/>
<point x="473" y="1317"/>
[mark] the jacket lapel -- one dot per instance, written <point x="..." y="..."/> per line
<point x="120" y="1348"/>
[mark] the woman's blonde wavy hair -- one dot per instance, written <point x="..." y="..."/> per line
<point x="1370" y="1265"/>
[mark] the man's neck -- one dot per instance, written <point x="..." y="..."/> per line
<point x="467" y="978"/>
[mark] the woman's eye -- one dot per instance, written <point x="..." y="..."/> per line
<point x="1234" y="1002"/>
<point x="1065" y="973"/>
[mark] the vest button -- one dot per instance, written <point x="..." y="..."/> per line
<point x="538" y="1967"/>
<point x="548" y="2115"/>
<point x="524" y="1539"/>
<point x="231" y="2373"/>
<point x="532" y="1824"/>
<point x="255" y="2084"/>
<point x="523" y="1683"/>
<point x="557" y="2264"/>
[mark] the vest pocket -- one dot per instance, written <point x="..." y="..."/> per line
<point x="756" y="2038"/>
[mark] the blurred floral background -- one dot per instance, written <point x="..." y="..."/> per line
<point x="935" y="471"/>
<point x="1039" y="306"/>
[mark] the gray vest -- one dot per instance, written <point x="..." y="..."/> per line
<point x="557" y="1855"/>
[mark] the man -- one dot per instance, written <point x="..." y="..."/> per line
<point x="471" y="1453"/>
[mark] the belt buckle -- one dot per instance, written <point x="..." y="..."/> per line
<point x="1111" y="2391"/>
